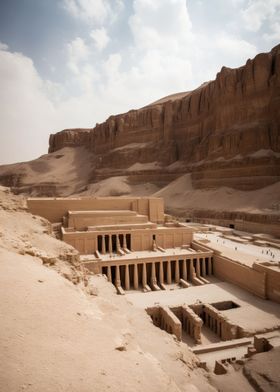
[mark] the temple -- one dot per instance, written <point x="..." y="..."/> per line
<point x="139" y="248"/>
<point x="130" y="240"/>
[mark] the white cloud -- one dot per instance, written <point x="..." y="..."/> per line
<point x="88" y="10"/>
<point x="258" y="11"/>
<point x="77" y="52"/>
<point x="26" y="112"/>
<point x="274" y="34"/>
<point x="161" y="24"/>
<point x="237" y="51"/>
<point x="3" y="46"/>
<point x="100" y="38"/>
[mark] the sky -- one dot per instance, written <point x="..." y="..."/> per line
<point x="73" y="63"/>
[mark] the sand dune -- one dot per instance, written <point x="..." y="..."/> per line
<point x="180" y="197"/>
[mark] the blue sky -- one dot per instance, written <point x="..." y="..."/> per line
<point x="72" y="63"/>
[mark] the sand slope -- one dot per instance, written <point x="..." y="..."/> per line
<point x="180" y="197"/>
<point x="65" y="172"/>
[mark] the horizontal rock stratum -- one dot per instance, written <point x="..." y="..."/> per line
<point x="225" y="133"/>
<point x="210" y="153"/>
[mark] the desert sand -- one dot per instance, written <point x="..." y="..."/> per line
<point x="68" y="172"/>
<point x="180" y="197"/>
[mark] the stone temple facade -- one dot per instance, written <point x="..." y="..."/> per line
<point x="130" y="240"/>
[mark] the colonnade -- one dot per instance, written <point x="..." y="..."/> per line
<point x="109" y="243"/>
<point x="191" y="323"/>
<point x="218" y="323"/>
<point x="134" y="275"/>
<point x="165" y="319"/>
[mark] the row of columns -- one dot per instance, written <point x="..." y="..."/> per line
<point x="191" y="323"/>
<point x="219" y="324"/>
<point x="213" y="320"/>
<point x="110" y="243"/>
<point x="153" y="279"/>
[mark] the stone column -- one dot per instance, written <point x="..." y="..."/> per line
<point x="127" y="280"/>
<point x="198" y="267"/>
<point x="110" y="244"/>
<point x="210" y="266"/>
<point x="118" y="278"/>
<point x="103" y="245"/>
<point x="95" y="244"/>
<point x="206" y="319"/>
<point x="118" y="243"/>
<point x="185" y="276"/>
<point x="109" y="274"/>
<point x="191" y="269"/>
<point x="153" y="274"/>
<point x="124" y="241"/>
<point x="177" y="271"/>
<point x="144" y="275"/>
<point x="211" y="323"/>
<point x="203" y="267"/>
<point x="135" y="276"/>
<point x="168" y="272"/>
<point x="161" y="275"/>
<point x="218" y="328"/>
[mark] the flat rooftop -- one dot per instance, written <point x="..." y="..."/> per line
<point x="103" y="212"/>
<point x="245" y="253"/>
<point x="148" y="254"/>
<point x="254" y="314"/>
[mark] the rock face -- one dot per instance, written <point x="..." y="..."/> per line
<point x="225" y="133"/>
<point x="75" y="137"/>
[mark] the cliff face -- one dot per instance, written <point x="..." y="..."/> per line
<point x="225" y="133"/>
<point x="75" y="137"/>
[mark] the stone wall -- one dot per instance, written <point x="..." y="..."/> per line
<point x="272" y="279"/>
<point x="249" y="222"/>
<point x="239" y="274"/>
<point x="54" y="209"/>
<point x="165" y="319"/>
<point x="86" y="242"/>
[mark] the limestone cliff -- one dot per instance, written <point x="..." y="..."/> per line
<point x="225" y="133"/>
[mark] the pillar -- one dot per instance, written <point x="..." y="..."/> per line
<point x="135" y="276"/>
<point x="161" y="275"/>
<point x="168" y="272"/>
<point x="118" y="243"/>
<point x="185" y="276"/>
<point x="218" y="328"/>
<point x="207" y="320"/>
<point x="210" y="266"/>
<point x="124" y="242"/>
<point x="109" y="274"/>
<point x="110" y="244"/>
<point x="144" y="275"/>
<point x="103" y="245"/>
<point x="127" y="282"/>
<point x="203" y="272"/>
<point x="96" y="244"/>
<point x="118" y="278"/>
<point x="177" y="271"/>
<point x="198" y="267"/>
<point x="153" y="274"/>
<point x="191" y="269"/>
